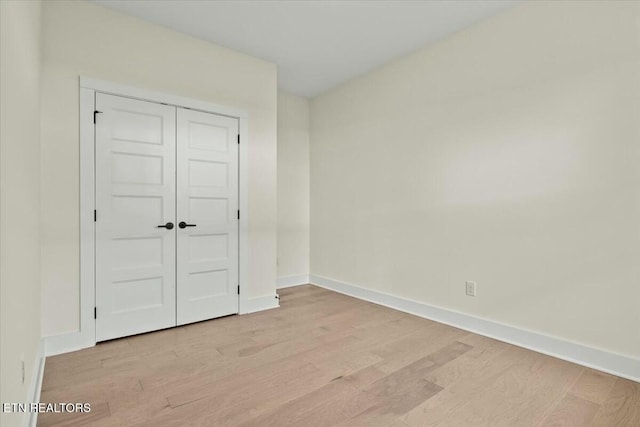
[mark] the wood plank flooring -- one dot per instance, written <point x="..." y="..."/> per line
<point x="326" y="359"/>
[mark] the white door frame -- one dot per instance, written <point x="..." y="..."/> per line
<point x="88" y="88"/>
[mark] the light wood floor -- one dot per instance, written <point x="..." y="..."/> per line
<point x="325" y="359"/>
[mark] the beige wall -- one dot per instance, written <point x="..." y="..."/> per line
<point x="293" y="185"/>
<point x="508" y="154"/>
<point x="84" y="39"/>
<point x="19" y="199"/>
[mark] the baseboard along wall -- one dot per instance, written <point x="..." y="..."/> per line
<point x="35" y="385"/>
<point x="262" y="303"/>
<point x="613" y="363"/>
<point x="289" y="281"/>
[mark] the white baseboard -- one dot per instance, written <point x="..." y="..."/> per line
<point x="65" y="343"/>
<point x="289" y="281"/>
<point x="262" y="303"/>
<point x="33" y="393"/>
<point x="617" y="364"/>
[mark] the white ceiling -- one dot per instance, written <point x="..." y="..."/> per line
<point x="316" y="44"/>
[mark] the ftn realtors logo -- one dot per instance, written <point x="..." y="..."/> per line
<point x="57" y="408"/>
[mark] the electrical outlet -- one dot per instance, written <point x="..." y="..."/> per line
<point x="22" y="370"/>
<point x="470" y="288"/>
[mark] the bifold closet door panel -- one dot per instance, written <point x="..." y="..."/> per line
<point x="207" y="191"/>
<point x="135" y="203"/>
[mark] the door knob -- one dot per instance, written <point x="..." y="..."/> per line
<point x="185" y="225"/>
<point x="168" y="226"/>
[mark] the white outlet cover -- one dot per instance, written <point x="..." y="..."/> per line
<point x="470" y="288"/>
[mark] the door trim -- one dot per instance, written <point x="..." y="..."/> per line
<point x="88" y="88"/>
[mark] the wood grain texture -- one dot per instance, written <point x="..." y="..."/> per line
<point x="593" y="386"/>
<point x="571" y="411"/>
<point x="326" y="359"/>
<point x="622" y="406"/>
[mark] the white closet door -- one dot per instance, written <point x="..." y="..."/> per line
<point x="135" y="194"/>
<point x="207" y="182"/>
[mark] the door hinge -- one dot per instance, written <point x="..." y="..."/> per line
<point x="94" y="115"/>
<point x="95" y="312"/>
<point x="238" y="138"/>
<point x="95" y="215"/>
<point x="238" y="289"/>
<point x="238" y="213"/>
